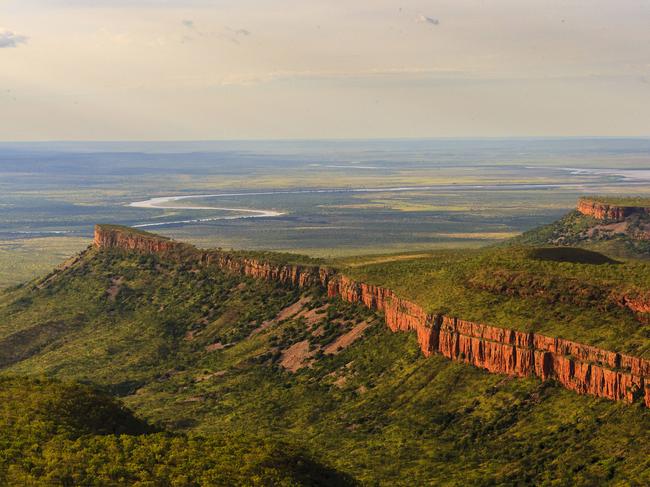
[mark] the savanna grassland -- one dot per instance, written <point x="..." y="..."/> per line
<point x="22" y="259"/>
<point x="338" y="198"/>
<point x="119" y="368"/>
<point x="222" y="379"/>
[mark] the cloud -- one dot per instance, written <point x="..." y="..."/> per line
<point x="11" y="39"/>
<point x="423" y="19"/>
<point x="234" y="35"/>
<point x="382" y="73"/>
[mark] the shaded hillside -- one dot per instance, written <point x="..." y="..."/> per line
<point x="203" y="351"/>
<point x="54" y="433"/>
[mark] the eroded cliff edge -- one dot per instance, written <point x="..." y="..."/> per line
<point x="604" y="210"/>
<point x="582" y="368"/>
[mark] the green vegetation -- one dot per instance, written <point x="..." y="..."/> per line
<point x="638" y="201"/>
<point x="626" y="240"/>
<point x="54" y="433"/>
<point x="570" y="293"/>
<point x="201" y="355"/>
<point x="26" y="258"/>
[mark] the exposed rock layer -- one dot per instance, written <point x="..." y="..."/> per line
<point x="581" y="368"/>
<point x="606" y="211"/>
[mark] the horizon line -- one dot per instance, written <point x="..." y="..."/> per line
<point x="325" y="139"/>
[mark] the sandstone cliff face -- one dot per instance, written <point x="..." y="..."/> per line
<point x="115" y="237"/>
<point x="604" y="211"/>
<point x="292" y="275"/>
<point x="581" y="368"/>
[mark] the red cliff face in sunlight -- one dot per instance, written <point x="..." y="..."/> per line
<point x="605" y="211"/>
<point x="116" y="237"/>
<point x="581" y="368"/>
<point x="293" y="275"/>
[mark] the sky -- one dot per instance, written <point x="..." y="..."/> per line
<point x="267" y="69"/>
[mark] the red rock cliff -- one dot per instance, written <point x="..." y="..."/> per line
<point x="582" y="368"/>
<point x="109" y="236"/>
<point x="605" y="211"/>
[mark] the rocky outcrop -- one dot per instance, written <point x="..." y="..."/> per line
<point x="287" y="274"/>
<point x="638" y="302"/>
<point x="606" y="211"/>
<point x="113" y="236"/>
<point x="124" y="238"/>
<point x="581" y="368"/>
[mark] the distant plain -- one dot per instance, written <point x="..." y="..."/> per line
<point x="337" y="198"/>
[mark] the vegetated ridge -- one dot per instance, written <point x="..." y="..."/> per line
<point x="582" y="368"/>
<point x="618" y="226"/>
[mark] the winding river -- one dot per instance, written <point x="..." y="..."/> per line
<point x="167" y="202"/>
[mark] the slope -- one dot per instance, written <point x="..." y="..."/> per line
<point x="202" y="351"/>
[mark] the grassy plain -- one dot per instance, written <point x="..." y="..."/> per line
<point x="23" y="259"/>
<point x="449" y="192"/>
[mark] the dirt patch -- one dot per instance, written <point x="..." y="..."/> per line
<point x="294" y="357"/>
<point x="346" y="339"/>
<point x="114" y="288"/>
<point x="215" y="346"/>
<point x="293" y="309"/>
<point x="340" y="381"/>
<point x="261" y="328"/>
<point x="313" y="316"/>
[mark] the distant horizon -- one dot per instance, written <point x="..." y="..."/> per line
<point x="326" y="139"/>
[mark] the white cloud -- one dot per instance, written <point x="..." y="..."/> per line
<point x="427" y="20"/>
<point x="234" y="35"/>
<point x="11" y="39"/>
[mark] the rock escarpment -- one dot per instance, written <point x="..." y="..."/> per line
<point x="606" y="211"/>
<point x="582" y="368"/>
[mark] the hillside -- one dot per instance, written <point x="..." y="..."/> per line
<point x="55" y="433"/>
<point x="618" y="226"/>
<point x="196" y="346"/>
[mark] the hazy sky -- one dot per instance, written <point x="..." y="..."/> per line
<point x="214" y="69"/>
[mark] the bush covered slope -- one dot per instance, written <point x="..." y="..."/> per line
<point x="54" y="433"/>
<point x="196" y="351"/>
<point x="629" y="238"/>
